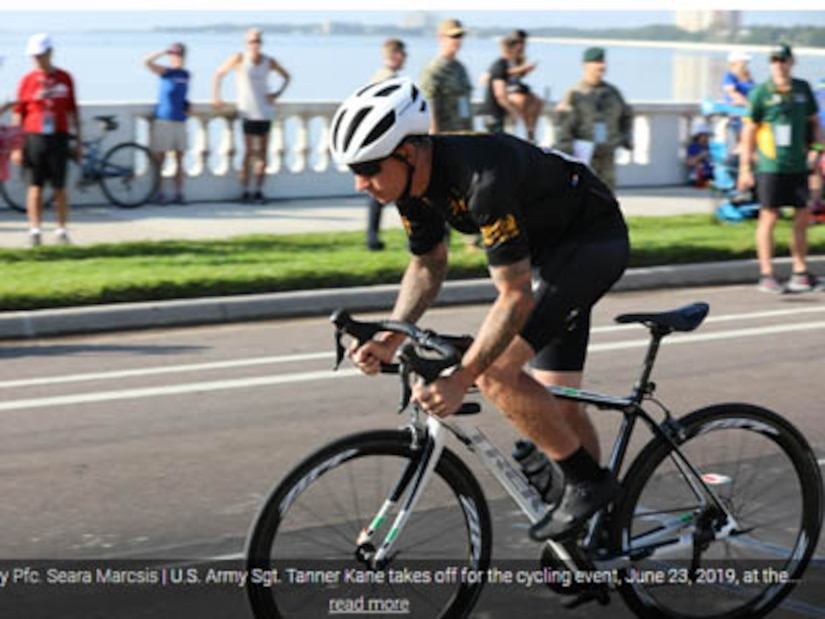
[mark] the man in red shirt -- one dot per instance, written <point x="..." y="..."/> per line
<point x="45" y="107"/>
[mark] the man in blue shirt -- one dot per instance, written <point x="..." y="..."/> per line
<point x="169" y="125"/>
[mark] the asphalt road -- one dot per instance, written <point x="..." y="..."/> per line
<point x="163" y="444"/>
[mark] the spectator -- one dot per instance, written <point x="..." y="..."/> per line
<point x="169" y="126"/>
<point x="700" y="168"/>
<point x="818" y="161"/>
<point x="395" y="54"/>
<point x="497" y="104"/>
<point x="736" y="85"/>
<point x="527" y="104"/>
<point x="594" y="114"/>
<point x="45" y="108"/>
<point x="5" y="107"/>
<point x="255" y="105"/>
<point x="780" y="124"/>
<point x="446" y="84"/>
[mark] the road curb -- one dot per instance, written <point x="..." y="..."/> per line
<point x="217" y="310"/>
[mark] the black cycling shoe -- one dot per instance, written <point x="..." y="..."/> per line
<point x="578" y="503"/>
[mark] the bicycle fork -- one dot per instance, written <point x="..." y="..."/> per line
<point x="416" y="476"/>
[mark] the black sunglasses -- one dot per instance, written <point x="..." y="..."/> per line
<point x="366" y="168"/>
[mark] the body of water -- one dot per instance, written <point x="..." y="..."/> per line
<point x="108" y="66"/>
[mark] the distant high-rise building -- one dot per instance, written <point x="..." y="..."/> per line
<point x="716" y="21"/>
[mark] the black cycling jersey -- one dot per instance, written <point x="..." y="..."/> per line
<point x="521" y="198"/>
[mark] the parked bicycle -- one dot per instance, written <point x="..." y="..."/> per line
<point x="127" y="173"/>
<point x="711" y="502"/>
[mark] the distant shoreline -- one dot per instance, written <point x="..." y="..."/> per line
<point x="688" y="45"/>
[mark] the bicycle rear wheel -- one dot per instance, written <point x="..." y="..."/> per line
<point x="129" y="175"/>
<point x="685" y="564"/>
<point x="309" y="527"/>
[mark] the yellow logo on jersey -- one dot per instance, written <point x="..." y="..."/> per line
<point x="407" y="225"/>
<point x="500" y="232"/>
<point x="458" y="205"/>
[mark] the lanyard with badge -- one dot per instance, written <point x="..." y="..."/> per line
<point x="599" y="126"/>
<point x="47" y="127"/>
<point x="782" y="129"/>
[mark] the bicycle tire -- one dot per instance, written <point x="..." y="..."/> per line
<point x="15" y="189"/>
<point x="129" y="175"/>
<point x="312" y="519"/>
<point x="757" y="463"/>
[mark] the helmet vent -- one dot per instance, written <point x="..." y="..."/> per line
<point x="384" y="92"/>
<point x="363" y="90"/>
<point x="353" y="126"/>
<point x="381" y="128"/>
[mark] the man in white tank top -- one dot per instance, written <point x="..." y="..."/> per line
<point x="255" y="107"/>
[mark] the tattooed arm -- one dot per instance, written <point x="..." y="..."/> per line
<point x="419" y="288"/>
<point x="504" y="320"/>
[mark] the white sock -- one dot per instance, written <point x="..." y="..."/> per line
<point x="34" y="231"/>
<point x="60" y="231"/>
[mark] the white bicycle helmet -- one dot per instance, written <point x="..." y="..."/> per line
<point x="371" y="123"/>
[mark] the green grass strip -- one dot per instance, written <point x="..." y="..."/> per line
<point x="58" y="276"/>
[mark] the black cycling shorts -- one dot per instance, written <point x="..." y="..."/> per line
<point x="256" y="127"/>
<point x="567" y="283"/>
<point x="777" y="190"/>
<point x="46" y="157"/>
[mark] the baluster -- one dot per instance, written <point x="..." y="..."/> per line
<point x="276" y="147"/>
<point x="301" y="147"/>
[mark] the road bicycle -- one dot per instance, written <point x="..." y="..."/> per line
<point x="718" y="515"/>
<point x="128" y="173"/>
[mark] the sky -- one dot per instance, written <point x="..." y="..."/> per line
<point x="52" y="16"/>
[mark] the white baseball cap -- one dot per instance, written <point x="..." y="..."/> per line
<point x="738" y="55"/>
<point x="39" y="43"/>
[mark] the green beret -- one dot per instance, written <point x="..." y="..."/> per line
<point x="594" y="54"/>
<point x="781" y="51"/>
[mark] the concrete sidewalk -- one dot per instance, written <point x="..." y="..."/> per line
<point x="209" y="220"/>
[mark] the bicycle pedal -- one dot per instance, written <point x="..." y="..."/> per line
<point x="601" y="596"/>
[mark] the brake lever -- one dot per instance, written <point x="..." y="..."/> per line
<point x="406" y="390"/>
<point x="340" y="351"/>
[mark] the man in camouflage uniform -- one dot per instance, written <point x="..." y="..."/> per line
<point x="595" y="111"/>
<point x="446" y="84"/>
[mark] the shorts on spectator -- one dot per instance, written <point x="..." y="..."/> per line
<point x="168" y="135"/>
<point x="46" y="157"/>
<point x="256" y="127"/>
<point x="778" y="190"/>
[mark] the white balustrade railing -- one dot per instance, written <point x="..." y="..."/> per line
<point x="300" y="166"/>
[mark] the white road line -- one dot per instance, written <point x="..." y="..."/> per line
<point x="168" y="369"/>
<point x="728" y="318"/>
<point x="239" y="363"/>
<point x="148" y="392"/>
<point x="690" y="338"/>
<point x="240" y="383"/>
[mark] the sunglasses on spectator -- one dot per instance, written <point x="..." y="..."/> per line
<point x="251" y="41"/>
<point x="366" y="168"/>
<point x="456" y="36"/>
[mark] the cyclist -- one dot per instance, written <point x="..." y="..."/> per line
<point x="543" y="217"/>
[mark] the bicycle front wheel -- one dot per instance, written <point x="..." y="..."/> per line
<point x="304" y="556"/>
<point x="688" y="559"/>
<point x="129" y="175"/>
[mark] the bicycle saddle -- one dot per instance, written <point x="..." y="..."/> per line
<point x="685" y="318"/>
<point x="109" y="122"/>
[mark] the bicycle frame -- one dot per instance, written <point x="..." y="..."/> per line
<point x="432" y="434"/>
